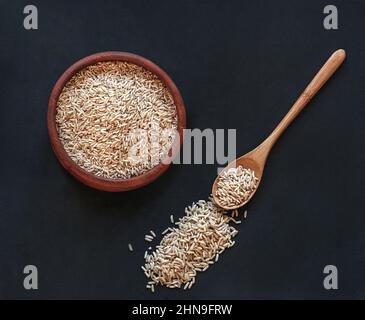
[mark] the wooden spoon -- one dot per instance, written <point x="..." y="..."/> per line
<point x="256" y="159"/>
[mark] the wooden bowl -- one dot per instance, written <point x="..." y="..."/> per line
<point x="101" y="183"/>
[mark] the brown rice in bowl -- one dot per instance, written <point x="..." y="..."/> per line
<point x="116" y="119"/>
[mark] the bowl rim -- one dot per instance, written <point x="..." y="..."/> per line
<point x="103" y="183"/>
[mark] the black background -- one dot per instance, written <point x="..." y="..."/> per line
<point x="238" y="64"/>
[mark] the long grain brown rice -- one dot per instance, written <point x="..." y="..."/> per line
<point x="109" y="108"/>
<point x="192" y="246"/>
<point x="235" y="186"/>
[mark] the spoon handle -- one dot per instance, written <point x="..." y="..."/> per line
<point x="327" y="70"/>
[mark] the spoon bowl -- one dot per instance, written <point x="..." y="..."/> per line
<point x="256" y="159"/>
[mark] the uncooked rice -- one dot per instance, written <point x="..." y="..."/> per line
<point x="235" y="186"/>
<point x="201" y="236"/>
<point x="148" y="238"/>
<point x="109" y="108"/>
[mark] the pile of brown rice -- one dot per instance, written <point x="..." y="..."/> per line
<point x="109" y="108"/>
<point x="191" y="246"/>
<point x="235" y="186"/>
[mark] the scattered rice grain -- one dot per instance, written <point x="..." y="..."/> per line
<point x="202" y="234"/>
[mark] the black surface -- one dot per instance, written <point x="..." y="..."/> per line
<point x="238" y="64"/>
